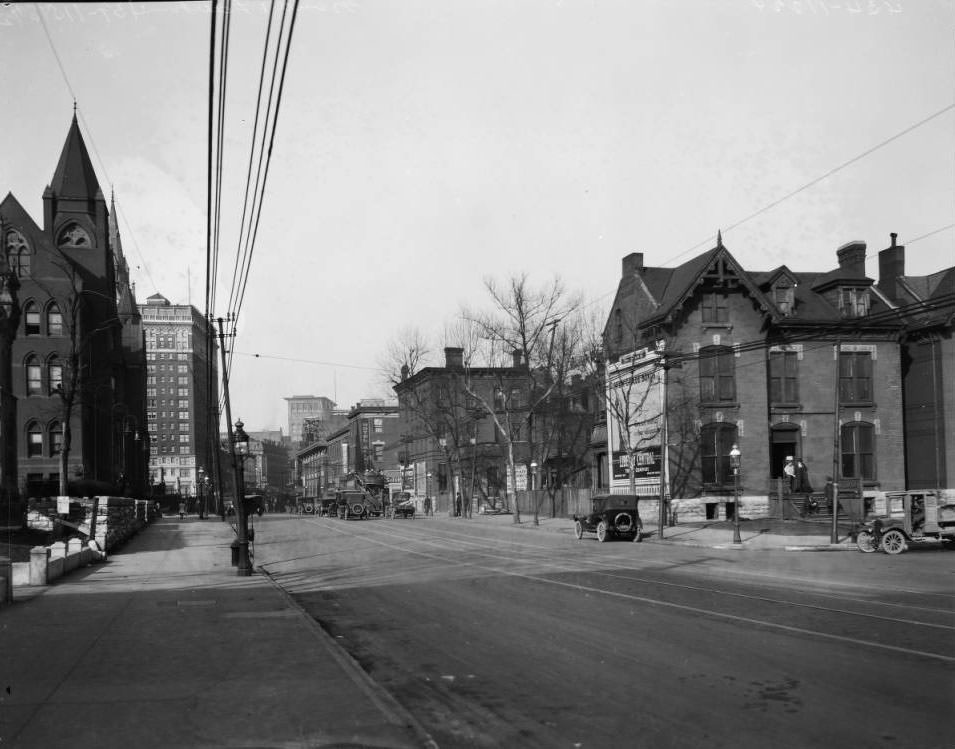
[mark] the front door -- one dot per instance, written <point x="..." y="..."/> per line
<point x="785" y="443"/>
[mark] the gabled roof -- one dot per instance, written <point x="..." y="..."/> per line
<point x="673" y="287"/>
<point x="15" y="215"/>
<point x="74" y="176"/>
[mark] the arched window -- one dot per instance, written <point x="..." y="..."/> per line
<point x="56" y="438"/>
<point x="74" y="235"/>
<point x="54" y="370"/>
<point x="717" y="375"/>
<point x="18" y="251"/>
<point x="34" y="373"/>
<point x="34" y="440"/>
<point x="31" y="319"/>
<point x="54" y="320"/>
<point x="716" y="441"/>
<point x="858" y="450"/>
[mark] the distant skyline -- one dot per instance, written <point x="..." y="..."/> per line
<point x="423" y="146"/>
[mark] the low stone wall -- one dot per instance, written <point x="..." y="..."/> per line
<point x="109" y="521"/>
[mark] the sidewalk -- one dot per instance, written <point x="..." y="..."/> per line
<point x="763" y="535"/>
<point x="164" y="645"/>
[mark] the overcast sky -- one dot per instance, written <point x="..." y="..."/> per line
<point x="425" y="145"/>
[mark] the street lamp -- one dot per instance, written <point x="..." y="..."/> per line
<point x="533" y="475"/>
<point x="241" y="445"/>
<point x="473" y="441"/>
<point x="427" y="498"/>
<point x="735" y="456"/>
<point x="200" y="475"/>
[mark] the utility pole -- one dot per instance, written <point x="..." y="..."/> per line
<point x="241" y="521"/>
<point x="834" y="534"/>
<point x="664" y="450"/>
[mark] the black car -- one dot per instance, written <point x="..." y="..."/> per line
<point x="611" y="516"/>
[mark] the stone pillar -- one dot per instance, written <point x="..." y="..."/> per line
<point x="39" y="559"/>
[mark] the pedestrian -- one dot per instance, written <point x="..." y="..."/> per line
<point x="182" y="510"/>
<point x="457" y="505"/>
<point x="802" y="477"/>
<point x="427" y="506"/>
<point x="789" y="472"/>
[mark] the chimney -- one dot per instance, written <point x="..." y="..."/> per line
<point x="404" y="372"/>
<point x="453" y="358"/>
<point x="516" y="353"/>
<point x="632" y="263"/>
<point x="891" y="268"/>
<point x="852" y="258"/>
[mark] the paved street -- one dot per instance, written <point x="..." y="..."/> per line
<point x="499" y="636"/>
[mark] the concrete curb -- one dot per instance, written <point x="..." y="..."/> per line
<point x="377" y="694"/>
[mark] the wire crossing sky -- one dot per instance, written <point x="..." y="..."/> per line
<point x="425" y="146"/>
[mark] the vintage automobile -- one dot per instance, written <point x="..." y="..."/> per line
<point x="402" y="505"/>
<point x="611" y="516"/>
<point x="355" y="504"/>
<point x="911" y="517"/>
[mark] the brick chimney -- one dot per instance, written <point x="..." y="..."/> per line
<point x="852" y="258"/>
<point x="453" y="358"/>
<point x="632" y="263"/>
<point x="891" y="268"/>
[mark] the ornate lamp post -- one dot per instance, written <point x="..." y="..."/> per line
<point x="200" y="479"/>
<point x="735" y="463"/>
<point x="429" y="508"/>
<point x="533" y="475"/>
<point x="241" y="446"/>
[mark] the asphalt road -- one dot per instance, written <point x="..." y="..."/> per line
<point x="496" y="636"/>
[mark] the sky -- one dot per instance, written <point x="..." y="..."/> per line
<point x="424" y="147"/>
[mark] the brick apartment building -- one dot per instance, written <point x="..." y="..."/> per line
<point x="779" y="362"/>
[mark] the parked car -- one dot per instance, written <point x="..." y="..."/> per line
<point x="402" y="505"/>
<point x="611" y="516"/>
<point x="911" y="517"/>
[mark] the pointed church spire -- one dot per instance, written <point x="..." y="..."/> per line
<point x="719" y="239"/>
<point x="116" y="242"/>
<point x="74" y="176"/>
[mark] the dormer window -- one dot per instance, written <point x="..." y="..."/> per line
<point x="784" y="295"/>
<point x="853" y="302"/>
<point x="18" y="253"/>
<point x="714" y="307"/>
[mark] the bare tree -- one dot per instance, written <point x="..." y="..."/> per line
<point x="407" y="353"/>
<point x="522" y="322"/>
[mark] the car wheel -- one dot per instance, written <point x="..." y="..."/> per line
<point x="893" y="542"/>
<point x="623" y="523"/>
<point x="602" y="531"/>
<point x="578" y="530"/>
<point x="866" y="542"/>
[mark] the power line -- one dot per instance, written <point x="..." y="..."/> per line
<point x="820" y="178"/>
<point x="310" y="361"/>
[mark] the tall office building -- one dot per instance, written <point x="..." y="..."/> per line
<point x="181" y="393"/>
<point x="302" y="407"/>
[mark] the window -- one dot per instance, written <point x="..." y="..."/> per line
<point x="498" y="399"/>
<point x="182" y="368"/>
<point x="855" y="377"/>
<point x="183" y="391"/>
<point x="183" y="414"/>
<point x="54" y="320"/>
<point x="516" y="398"/>
<point x="34" y="376"/>
<point x="858" y="451"/>
<point x="31" y="319"/>
<point x="34" y="441"/>
<point x="182" y="380"/>
<point x="184" y="438"/>
<point x="74" y="236"/>
<point x="55" y="371"/>
<point x="716" y="441"/>
<point x="379" y="451"/>
<point x="784" y="297"/>
<point x="56" y="438"/>
<point x="379" y="426"/>
<point x="184" y="427"/>
<point x="18" y="253"/>
<point x="853" y="302"/>
<point x="783" y="377"/>
<point x="184" y="403"/>
<point x="717" y="375"/>
<point x="714" y="307"/>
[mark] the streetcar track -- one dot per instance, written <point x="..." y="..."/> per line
<point x="812" y="633"/>
<point x="599" y="568"/>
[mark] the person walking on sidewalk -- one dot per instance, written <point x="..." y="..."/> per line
<point x="182" y="509"/>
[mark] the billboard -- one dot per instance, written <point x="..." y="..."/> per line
<point x="646" y="462"/>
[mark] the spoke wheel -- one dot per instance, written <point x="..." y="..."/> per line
<point x="602" y="531"/>
<point x="866" y="542"/>
<point x="893" y="542"/>
<point x="578" y="530"/>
